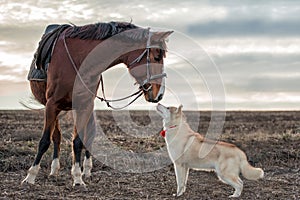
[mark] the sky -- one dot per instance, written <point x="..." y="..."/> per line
<point x="244" y="54"/>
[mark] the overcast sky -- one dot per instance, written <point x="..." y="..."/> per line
<point x="253" y="46"/>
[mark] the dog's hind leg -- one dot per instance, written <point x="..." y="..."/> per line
<point x="181" y="172"/>
<point x="237" y="183"/>
<point x="234" y="181"/>
<point x="229" y="174"/>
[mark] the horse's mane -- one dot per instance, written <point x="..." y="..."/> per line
<point x="101" y="31"/>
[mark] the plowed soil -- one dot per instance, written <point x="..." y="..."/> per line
<point x="271" y="141"/>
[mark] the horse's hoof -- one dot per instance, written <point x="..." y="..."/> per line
<point x="31" y="175"/>
<point x="55" y="166"/>
<point x="78" y="183"/>
<point x="27" y="181"/>
<point x="81" y="187"/>
<point x="26" y="184"/>
<point x="52" y="178"/>
<point x="53" y="174"/>
<point x="88" y="179"/>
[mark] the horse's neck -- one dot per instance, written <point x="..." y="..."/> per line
<point x="91" y="55"/>
<point x="116" y="62"/>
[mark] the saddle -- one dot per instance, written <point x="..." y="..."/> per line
<point x="42" y="56"/>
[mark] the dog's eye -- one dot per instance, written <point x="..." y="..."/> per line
<point x="168" y="108"/>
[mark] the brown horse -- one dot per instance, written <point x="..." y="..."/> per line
<point x="69" y="80"/>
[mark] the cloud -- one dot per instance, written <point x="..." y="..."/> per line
<point x="255" y="44"/>
<point x="250" y="45"/>
<point x="251" y="18"/>
<point x="12" y="73"/>
<point x="245" y="28"/>
<point x="271" y="84"/>
<point x="16" y="33"/>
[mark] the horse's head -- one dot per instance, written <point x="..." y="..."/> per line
<point x="147" y="66"/>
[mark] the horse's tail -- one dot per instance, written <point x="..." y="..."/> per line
<point x="38" y="89"/>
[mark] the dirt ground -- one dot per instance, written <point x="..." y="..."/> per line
<point x="271" y="141"/>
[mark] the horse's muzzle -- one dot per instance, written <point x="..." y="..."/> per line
<point x="159" y="97"/>
<point x="155" y="98"/>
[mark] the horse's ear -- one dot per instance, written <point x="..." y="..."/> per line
<point x="179" y="108"/>
<point x="161" y="36"/>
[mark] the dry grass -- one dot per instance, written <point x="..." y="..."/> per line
<point x="271" y="140"/>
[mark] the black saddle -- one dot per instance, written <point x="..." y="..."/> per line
<point x="42" y="56"/>
<point x="47" y="43"/>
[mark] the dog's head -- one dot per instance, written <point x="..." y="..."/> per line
<point x="170" y="115"/>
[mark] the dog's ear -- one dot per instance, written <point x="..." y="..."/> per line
<point x="179" y="108"/>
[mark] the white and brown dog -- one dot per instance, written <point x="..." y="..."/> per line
<point x="184" y="148"/>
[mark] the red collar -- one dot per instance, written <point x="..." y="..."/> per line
<point x="163" y="132"/>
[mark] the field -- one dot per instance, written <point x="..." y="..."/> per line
<point x="271" y="141"/>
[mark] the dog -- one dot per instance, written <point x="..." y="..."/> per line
<point x="184" y="149"/>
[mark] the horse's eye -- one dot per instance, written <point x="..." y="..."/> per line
<point x="157" y="59"/>
<point x="159" y="55"/>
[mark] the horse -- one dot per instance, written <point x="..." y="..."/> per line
<point x="70" y="55"/>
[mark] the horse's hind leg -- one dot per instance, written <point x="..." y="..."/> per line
<point x="51" y="113"/>
<point x="56" y="138"/>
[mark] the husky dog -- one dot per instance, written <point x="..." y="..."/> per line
<point x="184" y="148"/>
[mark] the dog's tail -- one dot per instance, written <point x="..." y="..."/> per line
<point x="249" y="172"/>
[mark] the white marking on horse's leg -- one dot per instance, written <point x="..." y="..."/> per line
<point x="55" y="166"/>
<point x="87" y="166"/>
<point x="77" y="175"/>
<point x="31" y="175"/>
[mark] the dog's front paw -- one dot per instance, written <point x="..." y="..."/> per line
<point x="179" y="193"/>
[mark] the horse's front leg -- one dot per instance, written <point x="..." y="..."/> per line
<point x="56" y="138"/>
<point x="76" y="167"/>
<point x="82" y="122"/>
<point x="87" y="165"/>
<point x="88" y="141"/>
<point x="51" y="113"/>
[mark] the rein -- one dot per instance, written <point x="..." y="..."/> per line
<point x="107" y="101"/>
<point x="142" y="87"/>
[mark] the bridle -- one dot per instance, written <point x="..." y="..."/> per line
<point x="150" y="77"/>
<point x="142" y="84"/>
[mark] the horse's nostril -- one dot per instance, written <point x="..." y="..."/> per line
<point x="157" y="99"/>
